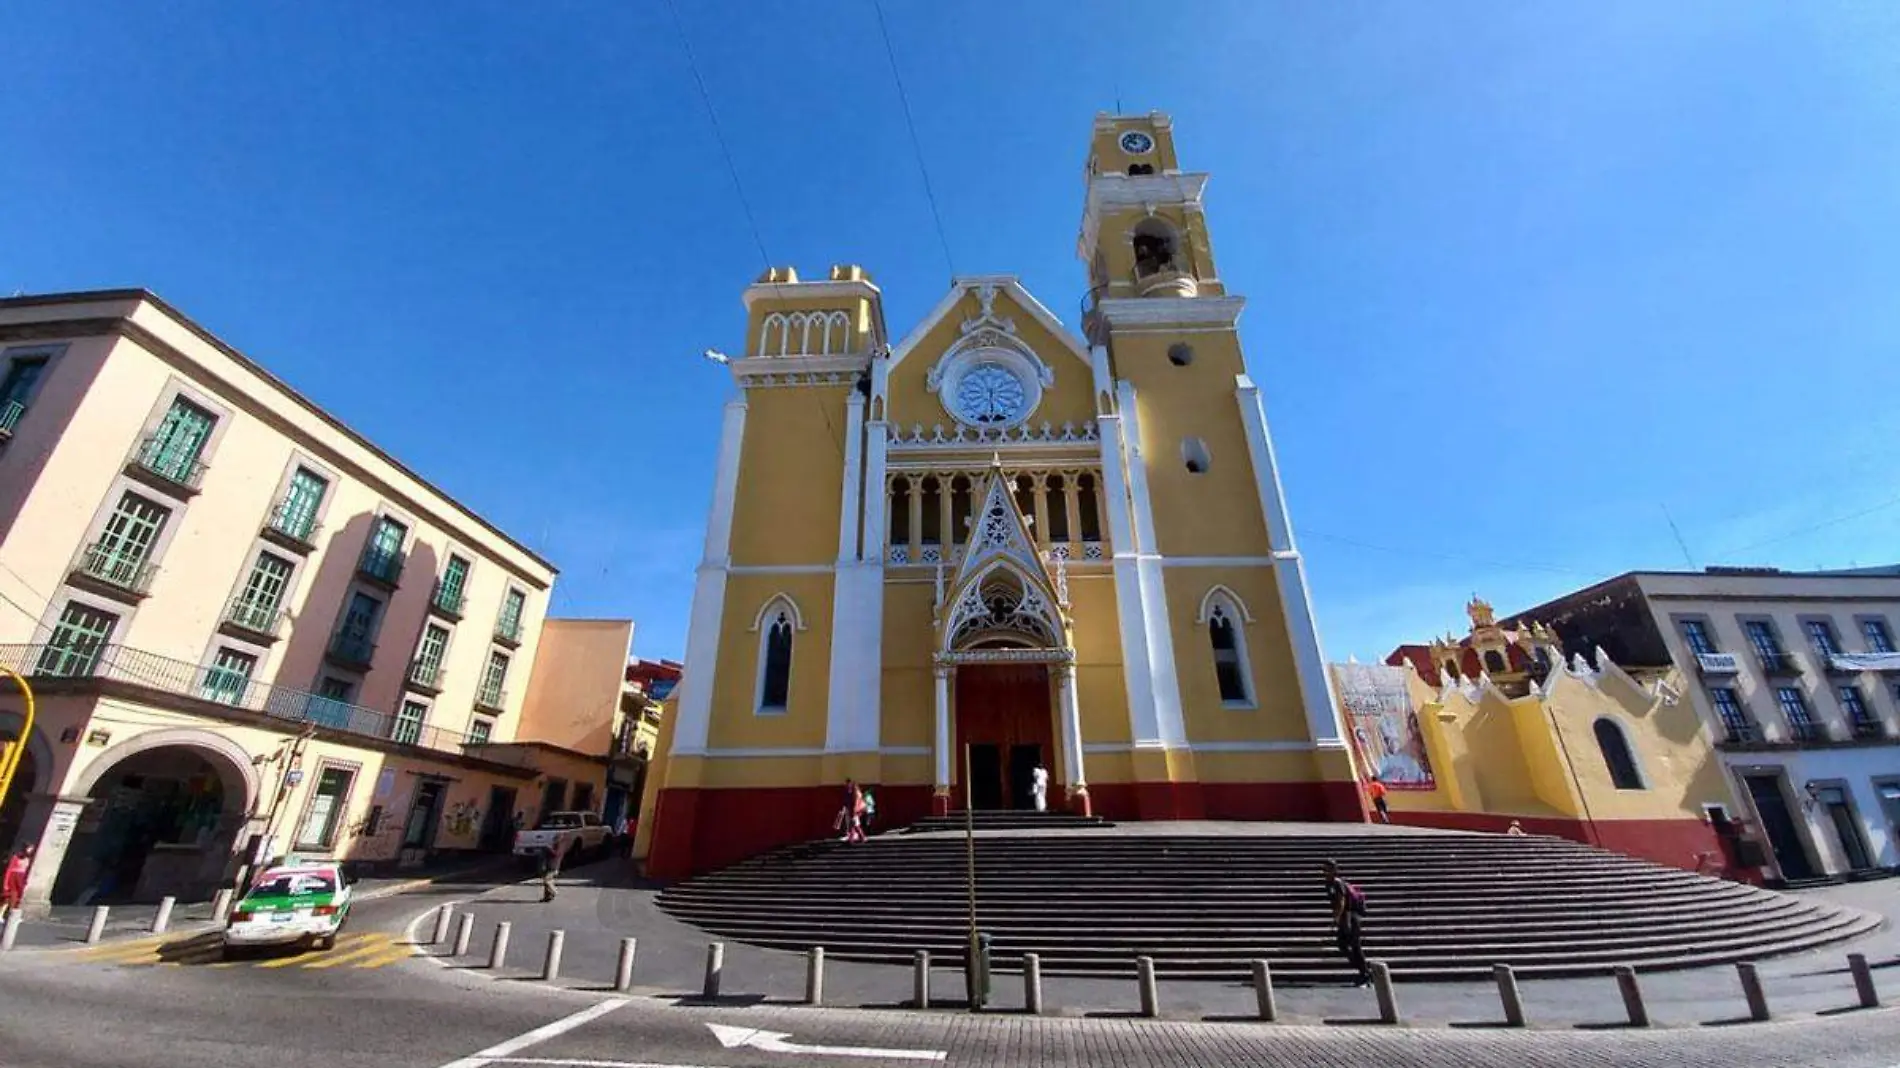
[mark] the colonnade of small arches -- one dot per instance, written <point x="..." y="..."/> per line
<point x="931" y="512"/>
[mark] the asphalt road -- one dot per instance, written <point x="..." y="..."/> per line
<point x="60" y="1010"/>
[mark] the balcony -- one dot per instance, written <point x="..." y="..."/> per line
<point x="491" y="699"/>
<point x="1866" y="730"/>
<point x="1780" y="665"/>
<point x="167" y="468"/>
<point x="381" y="566"/>
<point x="153" y="678"/>
<point x="1739" y="732"/>
<point x="1805" y="731"/>
<point x="351" y="652"/>
<point x="425" y="677"/>
<point x="447" y="603"/>
<point x="1852" y="663"/>
<point x="508" y="632"/>
<point x="295" y="530"/>
<point x="252" y="619"/>
<point x="10" y="414"/>
<point x="1718" y="663"/>
<point x="113" y="572"/>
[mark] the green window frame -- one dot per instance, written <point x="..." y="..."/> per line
<point x="296" y="514"/>
<point x="77" y="641"/>
<point x="408" y="726"/>
<point x="327" y="804"/>
<point x="382" y="556"/>
<point x="454" y="581"/>
<point x="128" y="540"/>
<point x="512" y="605"/>
<point x="480" y="730"/>
<point x="228" y="677"/>
<point x="264" y="591"/>
<point x="180" y="440"/>
<point x="494" y="678"/>
<point x="435" y="644"/>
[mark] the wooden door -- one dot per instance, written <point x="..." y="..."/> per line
<point x="1006" y="709"/>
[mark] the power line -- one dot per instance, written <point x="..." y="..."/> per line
<point x="916" y="146"/>
<point x="1809" y="529"/>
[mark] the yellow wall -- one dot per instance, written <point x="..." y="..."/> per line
<point x="735" y="721"/>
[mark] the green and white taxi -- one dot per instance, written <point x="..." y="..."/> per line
<point x="303" y="903"/>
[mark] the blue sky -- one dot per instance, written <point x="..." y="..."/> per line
<point x="1520" y="276"/>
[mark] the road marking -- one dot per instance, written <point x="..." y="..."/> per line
<point x="365" y="945"/>
<point x="118" y="949"/>
<point x="776" y="1042"/>
<point x="501" y="1050"/>
<point x="389" y="956"/>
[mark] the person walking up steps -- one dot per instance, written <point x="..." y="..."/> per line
<point x="13" y="888"/>
<point x="1348" y="906"/>
<point x="1375" y="790"/>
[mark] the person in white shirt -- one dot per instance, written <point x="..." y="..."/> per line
<point x="1039" y="787"/>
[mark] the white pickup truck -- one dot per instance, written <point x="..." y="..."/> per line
<point x="581" y="832"/>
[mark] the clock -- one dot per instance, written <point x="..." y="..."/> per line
<point x="1136" y="143"/>
<point x="989" y="394"/>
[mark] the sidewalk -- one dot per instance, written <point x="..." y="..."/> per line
<point x="65" y="925"/>
<point x="600" y="904"/>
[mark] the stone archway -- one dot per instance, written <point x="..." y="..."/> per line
<point x="164" y="813"/>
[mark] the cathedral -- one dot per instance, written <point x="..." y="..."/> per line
<point x="938" y="562"/>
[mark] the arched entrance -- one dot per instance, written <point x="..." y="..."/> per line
<point x="1005" y="723"/>
<point x="163" y="819"/>
<point x="36" y="765"/>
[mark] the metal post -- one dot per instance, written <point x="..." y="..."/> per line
<point x="1263" y="991"/>
<point x="1508" y="993"/>
<point x="1632" y="996"/>
<point x="551" y="963"/>
<point x="9" y="930"/>
<point x="221" y="906"/>
<point x="163" y="919"/>
<point x="1382" y="989"/>
<point x="498" y="953"/>
<point x="715" y="968"/>
<point x="623" y="968"/>
<point x="815" y="976"/>
<point x="464" y="930"/>
<point x="921" y="963"/>
<point x="442" y="917"/>
<point x="1145" y="976"/>
<point x="1032" y="984"/>
<point x="97" y="928"/>
<point x="1863" y="980"/>
<point x="1752" y="991"/>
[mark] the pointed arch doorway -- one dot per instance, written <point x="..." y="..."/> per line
<point x="1005" y="727"/>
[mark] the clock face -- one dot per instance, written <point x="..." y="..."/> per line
<point x="1136" y="143"/>
<point x="989" y="394"/>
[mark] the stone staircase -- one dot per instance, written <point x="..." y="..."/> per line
<point x="1006" y="820"/>
<point x="1442" y="906"/>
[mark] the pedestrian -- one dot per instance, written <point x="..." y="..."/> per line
<point x="869" y="815"/>
<point x="551" y="867"/>
<point x="1348" y="905"/>
<point x="1515" y="830"/>
<point x="856" y="803"/>
<point x="1376" y="791"/>
<point x="842" y="824"/>
<point x="623" y="840"/>
<point x="13" y="884"/>
<point x="1039" y="787"/>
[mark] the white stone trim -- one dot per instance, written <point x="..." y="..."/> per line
<point x="1212" y="561"/>
<point x="718" y="546"/>
<point x="823" y="320"/>
<point x="850" y="519"/>
<point x="1112" y="191"/>
<point x="761" y="752"/>
<point x="1266" y="468"/>
<point x="852" y="719"/>
<point x="1214" y="595"/>
<point x="780" y="569"/>
<point x="965" y="437"/>
<point x="877" y="493"/>
<point x="1170" y="729"/>
<point x="1207" y="747"/>
<point x="1137" y="466"/>
<point x="780" y="600"/>
<point x="1007" y="656"/>
<point x="1004" y="284"/>
<point x="1222" y="313"/>
<point x="784" y="606"/>
<point x="845" y="289"/>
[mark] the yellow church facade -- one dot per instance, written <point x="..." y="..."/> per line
<point x="936" y="561"/>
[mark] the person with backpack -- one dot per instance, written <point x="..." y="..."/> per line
<point x="1348" y="906"/>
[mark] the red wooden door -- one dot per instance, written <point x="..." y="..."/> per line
<point x="1006" y="706"/>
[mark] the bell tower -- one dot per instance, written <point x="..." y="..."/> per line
<point x="1202" y="485"/>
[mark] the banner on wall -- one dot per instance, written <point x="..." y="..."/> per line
<point x="1384" y="726"/>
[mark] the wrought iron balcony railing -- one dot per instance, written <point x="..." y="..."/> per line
<point x="115" y="567"/>
<point x="10" y="414"/>
<point x="258" y="617"/>
<point x="180" y="467"/>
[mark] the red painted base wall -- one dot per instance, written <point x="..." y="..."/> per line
<point x="1676" y="843"/>
<point x="697" y="831"/>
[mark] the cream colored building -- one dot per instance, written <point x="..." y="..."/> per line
<point x="241" y="618"/>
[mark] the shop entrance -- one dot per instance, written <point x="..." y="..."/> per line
<point x="162" y="822"/>
<point x="1778" y="824"/>
<point x="1005" y="718"/>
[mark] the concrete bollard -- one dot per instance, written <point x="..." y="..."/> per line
<point x="162" y="920"/>
<point x="1863" y="980"/>
<point x="1150" y="997"/>
<point x="1632" y="996"/>
<point x="97" y="928"/>
<point x="1263" y="991"/>
<point x="551" y="961"/>
<point x="221" y="905"/>
<point x="464" y="931"/>
<point x="1032" y="983"/>
<point x="715" y="968"/>
<point x="442" y="917"/>
<point x="1509" y="995"/>
<point x="1752" y="991"/>
<point x="498" y="953"/>
<point x="9" y="930"/>
<point x="623" y="968"/>
<point x="920" y="994"/>
<point x="815" y="976"/>
<point x="1382" y="989"/>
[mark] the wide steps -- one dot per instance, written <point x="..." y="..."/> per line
<point x="1007" y="821"/>
<point x="1088" y="901"/>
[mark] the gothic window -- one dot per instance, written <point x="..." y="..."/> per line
<point x="1058" y="508"/>
<point x="959" y="510"/>
<point x="900" y="511"/>
<point x="1494" y="662"/>
<point x="775" y="662"/>
<point x="933" y="511"/>
<point x="1624" y="774"/>
<point x="1026" y="503"/>
<point x="1230" y="660"/>
<point x="1088" y="510"/>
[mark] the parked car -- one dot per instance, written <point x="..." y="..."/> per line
<point x="292" y="904"/>
<point x="582" y="832"/>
